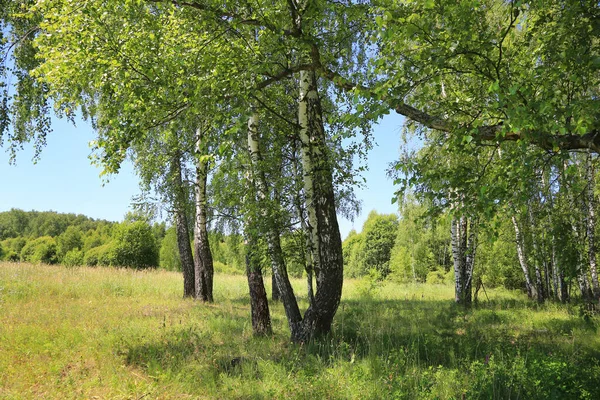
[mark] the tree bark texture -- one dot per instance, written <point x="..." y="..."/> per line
<point x="464" y="247"/>
<point x="269" y="224"/>
<point x="259" y="305"/>
<point x="521" y="253"/>
<point x="320" y="205"/>
<point x="539" y="286"/>
<point x="591" y="226"/>
<point x="202" y="256"/>
<point x="181" y="228"/>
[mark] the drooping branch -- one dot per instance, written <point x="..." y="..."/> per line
<point x="544" y="140"/>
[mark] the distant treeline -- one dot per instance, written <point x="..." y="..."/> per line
<point x="73" y="239"/>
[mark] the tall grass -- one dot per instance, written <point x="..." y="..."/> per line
<point x="113" y="333"/>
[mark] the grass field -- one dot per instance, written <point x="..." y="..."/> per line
<point x="110" y="333"/>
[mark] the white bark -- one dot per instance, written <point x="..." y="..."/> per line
<point x="308" y="152"/>
<point x="531" y="292"/>
<point x="591" y="225"/>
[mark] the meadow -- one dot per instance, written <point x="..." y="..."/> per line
<point x="104" y="333"/>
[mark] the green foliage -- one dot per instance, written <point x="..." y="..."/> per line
<point x="15" y="223"/>
<point x="70" y="239"/>
<point x="379" y="232"/>
<point x="135" y="246"/>
<point x="100" y="256"/>
<point x="40" y="250"/>
<point x="73" y="258"/>
<point x="228" y="250"/>
<point x="293" y="245"/>
<point x="352" y="253"/>
<point x="14" y="244"/>
<point x="421" y="246"/>
<point x="169" y="252"/>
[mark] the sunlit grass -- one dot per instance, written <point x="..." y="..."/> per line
<point x="115" y="333"/>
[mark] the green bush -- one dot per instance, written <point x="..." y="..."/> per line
<point x="135" y="246"/>
<point x="70" y="239"/>
<point x="101" y="255"/>
<point x="11" y="255"/>
<point x="14" y="244"/>
<point x="221" y="268"/>
<point x="40" y="250"/>
<point x="169" y="252"/>
<point x="73" y="258"/>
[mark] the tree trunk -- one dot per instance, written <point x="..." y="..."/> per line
<point x="591" y="226"/>
<point x="464" y="247"/>
<point x="558" y="278"/>
<point x="282" y="281"/>
<point x="275" y="295"/>
<point x="259" y="305"/>
<point x="531" y="292"/>
<point x="539" y="286"/>
<point x="202" y="256"/>
<point x="181" y="228"/>
<point x="306" y="232"/>
<point x="320" y="205"/>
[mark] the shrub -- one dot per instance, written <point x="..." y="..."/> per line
<point x="101" y="255"/>
<point x="70" y="239"/>
<point x="135" y="246"/>
<point x="11" y="255"/>
<point x="436" y="277"/>
<point x="73" y="258"/>
<point x="169" y="252"/>
<point x="14" y="244"/>
<point x="40" y="250"/>
<point x="221" y="268"/>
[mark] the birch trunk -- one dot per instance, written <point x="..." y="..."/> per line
<point x="558" y="278"/>
<point x="464" y="246"/>
<point x="307" y="250"/>
<point x="282" y="281"/>
<point x="457" y="254"/>
<point x="259" y="305"/>
<point x="591" y="226"/>
<point x="181" y="228"/>
<point x="582" y="280"/>
<point x="531" y="292"/>
<point x="470" y="259"/>
<point x="539" y="286"/>
<point x="320" y="205"/>
<point x="203" y="260"/>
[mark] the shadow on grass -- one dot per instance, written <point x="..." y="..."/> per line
<point x="494" y="347"/>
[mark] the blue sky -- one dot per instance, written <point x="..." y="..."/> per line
<point x="63" y="179"/>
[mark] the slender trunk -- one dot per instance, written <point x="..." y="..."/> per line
<point x="464" y="246"/>
<point x="275" y="295"/>
<point x="320" y="205"/>
<point x="308" y="262"/>
<point x="282" y="281"/>
<point x="558" y="276"/>
<point x="457" y="255"/>
<point x="202" y="257"/>
<point x="259" y="305"/>
<point x="470" y="259"/>
<point x="181" y="228"/>
<point x="582" y="280"/>
<point x="591" y="225"/>
<point x="531" y="292"/>
<point x="539" y="287"/>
